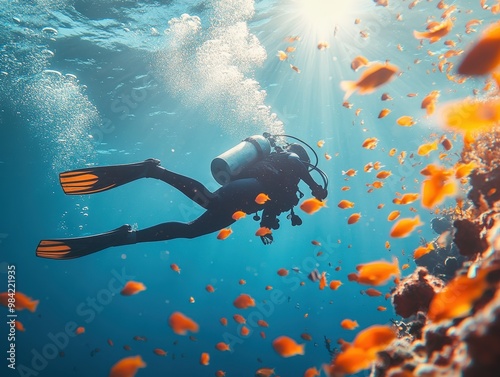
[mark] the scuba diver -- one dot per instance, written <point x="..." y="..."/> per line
<point x="244" y="171"/>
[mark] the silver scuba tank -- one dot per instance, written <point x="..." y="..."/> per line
<point x="230" y="163"/>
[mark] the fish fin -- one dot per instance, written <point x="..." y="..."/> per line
<point x="349" y="87"/>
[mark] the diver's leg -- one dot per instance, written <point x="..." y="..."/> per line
<point x="207" y="223"/>
<point x="101" y="178"/>
<point x="190" y="187"/>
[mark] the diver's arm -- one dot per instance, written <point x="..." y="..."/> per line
<point x="300" y="169"/>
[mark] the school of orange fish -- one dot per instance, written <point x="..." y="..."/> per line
<point x="477" y="114"/>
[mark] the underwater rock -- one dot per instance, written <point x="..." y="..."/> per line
<point x="468" y="238"/>
<point x="415" y="292"/>
<point x="485" y="187"/>
<point x="482" y="336"/>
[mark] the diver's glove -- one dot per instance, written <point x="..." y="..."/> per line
<point x="319" y="192"/>
<point x="267" y="239"/>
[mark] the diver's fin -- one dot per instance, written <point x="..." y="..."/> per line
<point x="102" y="178"/>
<point x="69" y="248"/>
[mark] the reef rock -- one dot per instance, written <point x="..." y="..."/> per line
<point x="415" y="292"/>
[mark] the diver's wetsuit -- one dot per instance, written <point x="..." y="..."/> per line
<point x="277" y="176"/>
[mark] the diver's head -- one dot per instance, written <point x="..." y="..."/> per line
<point x="299" y="151"/>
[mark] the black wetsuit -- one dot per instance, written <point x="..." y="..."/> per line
<point x="277" y="176"/>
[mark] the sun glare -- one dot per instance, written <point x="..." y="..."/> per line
<point x="324" y="15"/>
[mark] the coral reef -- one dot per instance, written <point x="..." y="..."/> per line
<point x="415" y="292"/>
<point x="460" y="334"/>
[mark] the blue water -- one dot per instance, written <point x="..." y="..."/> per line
<point x="100" y="83"/>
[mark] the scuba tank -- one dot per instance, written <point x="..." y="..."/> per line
<point x="230" y="163"/>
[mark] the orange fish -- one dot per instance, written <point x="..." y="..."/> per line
<point x="476" y="115"/>
<point x="327" y="156"/>
<point x="282" y="55"/>
<point x="80" y="330"/>
<point x="127" y="367"/>
<point x="405" y="121"/>
<point x="458" y="297"/>
<point x="385" y="97"/>
<point x="209" y="288"/>
<point x="372" y="77"/>
<point x="405" y="226"/>
<point x="286" y="347"/>
<point x="484" y="56"/>
<point x="322" y="281"/>
<point x="343" y="204"/>
<point x="358" y="62"/>
<point x="374" y="338"/>
<point x="264" y="372"/>
<point x="262" y="323"/>
<point x="159" y="352"/>
<point x="312" y="205"/>
<point x="393" y="215"/>
<point x="464" y="170"/>
<point x="238" y="215"/>
<point x="420" y="251"/>
<point x="19" y="326"/>
<point x="181" y="324"/>
<point x="110" y="342"/>
<point x="372" y="292"/>
<point x="323" y="45"/>
<point x="406" y="198"/>
<point x="320" y="143"/>
<point x="429" y="102"/>
<point x="140" y="338"/>
<point x="204" y="358"/>
<point x="244" y="331"/>
<point x="316" y="243"/>
<point x="311" y="372"/>
<point x="377" y="273"/>
<point x="262" y="231"/>
<point x="381" y="308"/>
<point x="354" y="218"/>
<point x="383" y="174"/>
<point x="223" y="321"/>
<point x="345" y="188"/>
<point x="296" y="69"/>
<point x="21" y="301"/>
<point x="306" y="336"/>
<point x="221" y="346"/>
<point x="175" y="268"/>
<point x="350" y="172"/>
<point x="239" y="319"/>
<point x="363" y="350"/>
<point x="425" y="149"/>
<point x="383" y="113"/>
<point x="132" y="288"/>
<point x="349" y="324"/>
<point x="438" y="185"/>
<point x="261" y="198"/>
<point x="243" y="301"/>
<point x="269" y="287"/>
<point x="387" y="245"/>
<point x="370" y="143"/>
<point x="392" y="152"/>
<point x="335" y="284"/>
<point x="282" y="272"/>
<point x="224" y="233"/>
<point x="436" y="32"/>
<point x="405" y="266"/>
<point x="220" y="373"/>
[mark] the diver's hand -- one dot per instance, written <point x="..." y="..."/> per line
<point x="319" y="192"/>
<point x="267" y="239"/>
